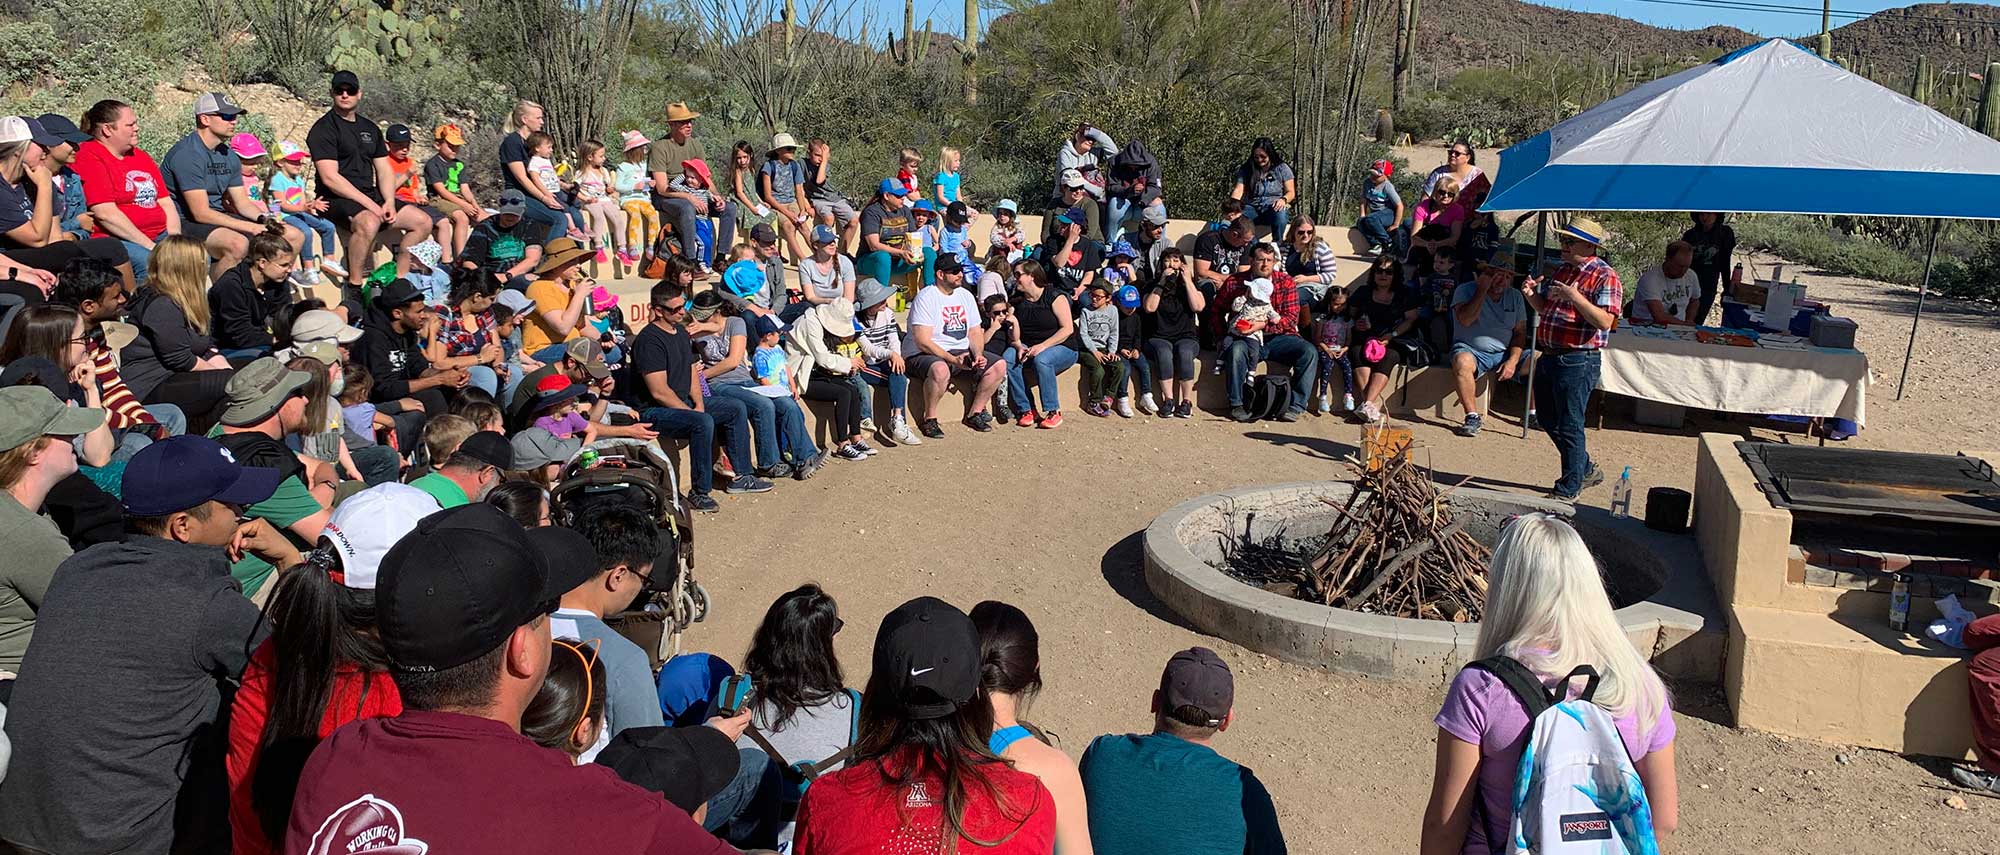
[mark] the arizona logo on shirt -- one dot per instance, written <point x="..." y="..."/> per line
<point x="955" y="322"/>
<point x="365" y="826"/>
<point x="144" y="192"/>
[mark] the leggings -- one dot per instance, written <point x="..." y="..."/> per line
<point x="607" y="222"/>
<point x="846" y="403"/>
<point x="201" y="395"/>
<point x="1173" y="359"/>
<point x="642" y="224"/>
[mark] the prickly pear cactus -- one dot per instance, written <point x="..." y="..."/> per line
<point x="372" y="34"/>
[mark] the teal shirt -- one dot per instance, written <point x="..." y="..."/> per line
<point x="1152" y="793"/>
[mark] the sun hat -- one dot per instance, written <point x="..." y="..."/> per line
<point x="257" y="390"/>
<point x="1583" y="229"/>
<point x="837" y="316"/>
<point x="1122" y="247"/>
<point x="1127" y="297"/>
<point x="1007" y="205"/>
<point x="698" y="167"/>
<point x="869" y="293"/>
<point x="288" y="150"/>
<point x="892" y="187"/>
<point x="686" y="765"/>
<point x="248" y="146"/>
<point x="743" y="278"/>
<point x="929" y="651"/>
<point x="457" y="586"/>
<point x="704" y="305"/>
<point x="1198" y="678"/>
<point x="448" y="134"/>
<point x="1259" y="288"/>
<point x="589" y="354"/>
<point x="428" y="253"/>
<point x="602" y="300"/>
<point x="635" y="139"/>
<point x="783" y="141"/>
<point x="559" y="253"/>
<point x="365" y="526"/>
<point x="118" y="334"/>
<point x="555" y="389"/>
<point x="188" y="471"/>
<point x="536" y="447"/>
<point x="925" y="206"/>
<point x="30" y="412"/>
<point x="678" y="112"/>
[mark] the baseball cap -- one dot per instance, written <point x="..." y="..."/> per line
<point x="957" y="213"/>
<point x="825" y="234"/>
<point x="1072" y="178"/>
<point x="367" y="524"/>
<point x="1502" y="257"/>
<point x="455" y="587"/>
<point x="247" y="145"/>
<point x="949" y="263"/>
<point x="397" y="294"/>
<point x="216" y="103"/>
<point x="591" y="354"/>
<point x="323" y="325"/>
<point x="1073" y="215"/>
<point x="398" y="133"/>
<point x="1387" y="168"/>
<point x="1198" y="678"/>
<point x="513" y="299"/>
<point x="511" y="202"/>
<point x="929" y="652"/>
<point x="28" y="412"/>
<point x="344" y="79"/>
<point x="892" y="187"/>
<point x="1154" y="215"/>
<point x="571" y="559"/>
<point x="257" y="390"/>
<point x="536" y="447"/>
<point x="14" y="129"/>
<point x="768" y="325"/>
<point x="1127" y="297"/>
<point x="40" y="134"/>
<point x="448" y="134"/>
<point x="187" y="471"/>
<point x="60" y="127"/>
<point x="288" y="150"/>
<point x="686" y="765"/>
<point x="490" y="448"/>
<point x="763" y="233"/>
<point x="42" y="371"/>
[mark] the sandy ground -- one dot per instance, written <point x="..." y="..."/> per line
<point x="1049" y="521"/>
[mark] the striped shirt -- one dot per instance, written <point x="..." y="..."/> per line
<point x="1561" y="327"/>
<point x="123" y="407"/>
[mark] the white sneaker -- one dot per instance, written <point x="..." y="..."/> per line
<point x="1347" y="403"/>
<point x="1325" y="402"/>
<point x="332" y="267"/>
<point x="1125" y="407"/>
<point x="1146" y="404"/>
<point x="867" y="425"/>
<point x="899" y="430"/>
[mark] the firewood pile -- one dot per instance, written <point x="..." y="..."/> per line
<point x="1397" y="549"/>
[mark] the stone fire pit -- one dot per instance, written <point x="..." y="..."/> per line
<point x="1673" y="613"/>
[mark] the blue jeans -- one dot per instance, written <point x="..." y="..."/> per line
<point x="329" y="239"/>
<point x="1140" y="370"/>
<point x="1239" y="356"/>
<point x="1055" y="360"/>
<point x="698" y="429"/>
<point x="880" y="266"/>
<point x="557" y="219"/>
<point x="1381" y="229"/>
<point x="1563" y="382"/>
<point x="1264" y="215"/>
<point x="747" y="811"/>
<point x="878" y="374"/>
<point x="771" y="419"/>
<point x="140" y="257"/>
<point x="484" y="377"/>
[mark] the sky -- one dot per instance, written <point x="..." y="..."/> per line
<point x="1789" y="18"/>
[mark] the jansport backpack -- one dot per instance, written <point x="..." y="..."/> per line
<point x="1576" y="790"/>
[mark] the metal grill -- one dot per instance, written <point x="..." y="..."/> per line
<point x="1919" y="488"/>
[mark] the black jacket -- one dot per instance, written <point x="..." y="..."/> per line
<point x="391" y="357"/>
<point x="167" y="343"/>
<point x="1129" y="164"/>
<point x="240" y="312"/>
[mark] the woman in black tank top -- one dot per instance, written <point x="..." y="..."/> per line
<point x="1048" y="344"/>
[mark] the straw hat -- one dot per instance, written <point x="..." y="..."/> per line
<point x="559" y="252"/>
<point x="679" y="112"/>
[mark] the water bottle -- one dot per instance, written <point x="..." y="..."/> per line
<point x="1736" y="274"/>
<point x="1899" y="604"/>
<point x="1621" y="495"/>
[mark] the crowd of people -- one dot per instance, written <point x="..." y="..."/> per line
<point x="359" y="626"/>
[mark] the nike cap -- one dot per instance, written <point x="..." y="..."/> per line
<point x="927" y="652"/>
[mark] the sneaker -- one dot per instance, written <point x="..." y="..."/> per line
<point x="1051" y="421"/>
<point x="1146" y="404"/>
<point x="782" y="470"/>
<point x="703" y="502"/>
<point x="899" y="430"/>
<point x="1370" y="413"/>
<point x="1592" y="478"/>
<point x="931" y="429"/>
<point x="300" y="280"/>
<point x="602" y="256"/>
<point x="748" y="484"/>
<point x="1096" y="409"/>
<point x="1238" y="413"/>
<point x="1003" y="413"/>
<point x="332" y="267"/>
<point x="1559" y="496"/>
<point x="1975" y="779"/>
<point x="808" y="468"/>
<point x="1027" y="419"/>
<point x="626" y="258"/>
<point x="980" y="422"/>
<point x="847" y="451"/>
<point x="1184" y="411"/>
<point x="1216" y="368"/>
<point x="1471" y="426"/>
<point x="865" y="448"/>
<point x="1290" y="415"/>
<point x="1347" y="403"/>
<point x="1325" y="403"/>
<point x="1125" y="408"/>
<point x="868" y="426"/>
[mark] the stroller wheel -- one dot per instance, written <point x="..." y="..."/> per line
<point x="697" y="606"/>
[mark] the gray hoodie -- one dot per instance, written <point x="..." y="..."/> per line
<point x="1099" y="329"/>
<point x="1069" y="158"/>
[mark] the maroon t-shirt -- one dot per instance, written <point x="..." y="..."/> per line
<point x="443" y="783"/>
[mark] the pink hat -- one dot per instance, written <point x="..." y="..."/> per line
<point x="288" y="150"/>
<point x="247" y="145"/>
<point x="635" y="139"/>
<point x="602" y="300"/>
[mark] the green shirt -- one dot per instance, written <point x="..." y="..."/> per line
<point x="290" y="503"/>
<point x="445" y="490"/>
<point x="667" y="155"/>
<point x="33" y="546"/>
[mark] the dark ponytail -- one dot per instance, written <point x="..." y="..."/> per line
<point x="317" y="625"/>
<point x="101" y="113"/>
<point x="1010" y="659"/>
<point x="270" y="243"/>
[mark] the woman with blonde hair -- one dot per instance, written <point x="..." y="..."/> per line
<point x="174" y="360"/>
<point x="523" y="121"/>
<point x="1547" y="609"/>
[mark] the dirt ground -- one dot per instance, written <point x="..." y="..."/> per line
<point x="1050" y="521"/>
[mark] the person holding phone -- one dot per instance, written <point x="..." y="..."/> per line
<point x="1578" y="304"/>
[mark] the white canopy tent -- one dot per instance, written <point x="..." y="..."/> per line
<point x="1771" y="128"/>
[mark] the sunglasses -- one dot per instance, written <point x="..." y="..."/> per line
<point x="346" y="90"/>
<point x="1457" y="153"/>
<point x="674" y="309"/>
<point x="227" y="117"/>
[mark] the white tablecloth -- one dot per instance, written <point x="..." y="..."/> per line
<point x="1811" y="382"/>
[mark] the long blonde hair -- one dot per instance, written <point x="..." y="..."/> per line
<point x="179" y="271"/>
<point x="1546" y="607"/>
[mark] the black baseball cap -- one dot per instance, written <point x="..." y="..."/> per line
<point x="490" y="448"/>
<point x="455" y="587"/>
<point x="948" y="263"/>
<point x="397" y="133"/>
<point x="687" y="765"/>
<point x="928" y="651"/>
<point x="763" y="233"/>
<point x="397" y="294"/>
<point x="183" y="472"/>
<point x="572" y="561"/>
<point x="344" y="79"/>
<point x="957" y="213"/>
<point x="1198" y="678"/>
<point x="64" y="129"/>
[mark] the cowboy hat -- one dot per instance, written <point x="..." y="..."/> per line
<point x="560" y="252"/>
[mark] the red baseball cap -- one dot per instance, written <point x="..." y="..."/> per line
<point x="1385" y="167"/>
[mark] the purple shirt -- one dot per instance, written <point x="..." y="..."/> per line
<point x="565" y="426"/>
<point x="1480" y="710"/>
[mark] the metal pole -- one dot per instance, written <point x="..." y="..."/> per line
<point x="1923" y="290"/>
<point x="1534" y="325"/>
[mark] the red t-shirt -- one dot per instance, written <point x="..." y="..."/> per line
<point x="132" y="182"/>
<point x="356" y="695"/>
<point x="450" y="783"/>
<point x="864" y="814"/>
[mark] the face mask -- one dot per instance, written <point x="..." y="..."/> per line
<point x="335" y="386"/>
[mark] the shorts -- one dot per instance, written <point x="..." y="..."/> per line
<point x="446" y="207"/>
<point x="198" y="231"/>
<point x="431" y="211"/>
<point x="841" y="210"/>
<point x="342" y="210"/>
<point x="1484" y="362"/>
<point x="920" y="365"/>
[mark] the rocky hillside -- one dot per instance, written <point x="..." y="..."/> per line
<point x="1457" y="34"/>
<point x="1955" y="36"/>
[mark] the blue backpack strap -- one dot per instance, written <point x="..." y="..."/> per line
<point x="854" y="724"/>
<point x="1525" y="686"/>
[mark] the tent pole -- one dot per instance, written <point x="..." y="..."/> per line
<point x="1534" y="269"/>
<point x="1923" y="290"/>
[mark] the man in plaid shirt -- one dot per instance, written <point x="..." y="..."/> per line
<point x="1578" y="305"/>
<point x="1282" y="342"/>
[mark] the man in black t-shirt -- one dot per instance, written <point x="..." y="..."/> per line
<point x="507" y="245"/>
<point x="407" y="387"/>
<point x="352" y="163"/>
<point x="669" y="398"/>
